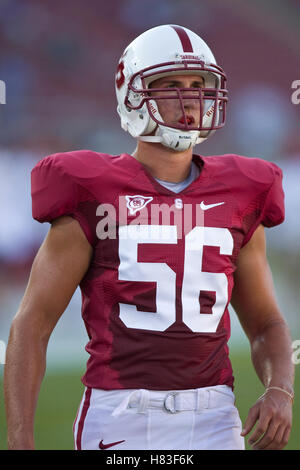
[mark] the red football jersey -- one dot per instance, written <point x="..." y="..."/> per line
<point x="155" y="297"/>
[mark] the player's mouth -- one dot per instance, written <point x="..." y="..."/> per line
<point x="188" y="119"/>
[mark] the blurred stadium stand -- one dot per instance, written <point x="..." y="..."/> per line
<point x="58" y="60"/>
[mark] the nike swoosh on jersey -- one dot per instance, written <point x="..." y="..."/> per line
<point x="205" y="207"/>
<point x="107" y="446"/>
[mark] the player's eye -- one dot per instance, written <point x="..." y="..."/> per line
<point x="171" y="85"/>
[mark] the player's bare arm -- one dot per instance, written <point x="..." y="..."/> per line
<point x="57" y="270"/>
<point x="254" y="301"/>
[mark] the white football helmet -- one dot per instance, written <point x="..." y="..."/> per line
<point x="159" y="52"/>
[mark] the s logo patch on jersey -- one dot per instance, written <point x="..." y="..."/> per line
<point x="137" y="203"/>
<point x="178" y="203"/>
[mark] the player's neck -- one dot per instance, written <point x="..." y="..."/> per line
<point x="162" y="163"/>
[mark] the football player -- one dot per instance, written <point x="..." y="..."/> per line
<point x="160" y="242"/>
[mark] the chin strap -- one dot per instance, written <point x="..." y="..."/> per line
<point x="173" y="138"/>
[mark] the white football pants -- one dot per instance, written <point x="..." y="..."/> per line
<point x="198" y="419"/>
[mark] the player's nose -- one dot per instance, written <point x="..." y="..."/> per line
<point x="191" y="104"/>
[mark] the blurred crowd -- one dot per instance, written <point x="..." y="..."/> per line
<point x="58" y="61"/>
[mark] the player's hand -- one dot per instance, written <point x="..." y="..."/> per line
<point x="273" y="414"/>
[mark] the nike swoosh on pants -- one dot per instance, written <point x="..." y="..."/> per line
<point x="106" y="446"/>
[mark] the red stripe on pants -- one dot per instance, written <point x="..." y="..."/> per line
<point x="84" y="411"/>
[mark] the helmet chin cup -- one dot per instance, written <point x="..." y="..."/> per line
<point x="174" y="139"/>
<point x="177" y="140"/>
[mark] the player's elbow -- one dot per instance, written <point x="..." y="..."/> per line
<point x="27" y="329"/>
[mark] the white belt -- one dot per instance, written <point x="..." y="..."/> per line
<point x="177" y="400"/>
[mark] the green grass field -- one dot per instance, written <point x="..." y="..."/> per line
<point x="62" y="391"/>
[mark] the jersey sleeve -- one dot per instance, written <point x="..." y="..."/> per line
<point x="56" y="192"/>
<point x="273" y="211"/>
<point x="268" y="208"/>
